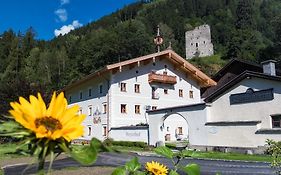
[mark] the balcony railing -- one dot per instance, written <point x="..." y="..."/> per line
<point x="161" y="78"/>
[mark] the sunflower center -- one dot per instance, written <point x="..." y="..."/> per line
<point x="50" y="123"/>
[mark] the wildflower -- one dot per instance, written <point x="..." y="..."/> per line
<point x="156" y="168"/>
<point x="56" y="121"/>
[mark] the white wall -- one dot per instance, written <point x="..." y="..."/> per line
<point x="96" y="101"/>
<point x="248" y="111"/>
<point x="130" y="77"/>
<point x="244" y="136"/>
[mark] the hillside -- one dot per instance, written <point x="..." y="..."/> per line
<point x="246" y="29"/>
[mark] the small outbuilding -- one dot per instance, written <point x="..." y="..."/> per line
<point x="241" y="113"/>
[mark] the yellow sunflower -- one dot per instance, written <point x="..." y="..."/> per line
<point x="53" y="122"/>
<point x="156" y="168"/>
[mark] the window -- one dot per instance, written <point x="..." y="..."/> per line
<point x="89" y="130"/>
<point x="123" y="108"/>
<point x="196" y="44"/>
<point x="180" y="93"/>
<point x="137" y="109"/>
<point x="165" y="91"/>
<point x="154" y="94"/>
<point x="90" y="110"/>
<point x="123" y="87"/>
<point x="104" y="108"/>
<point x="90" y="92"/>
<point x="81" y="95"/>
<point x="276" y="121"/>
<point x="180" y="130"/>
<point x="104" y="130"/>
<point x="137" y="88"/>
<point x="101" y="89"/>
<point x="154" y="107"/>
<point x="190" y="94"/>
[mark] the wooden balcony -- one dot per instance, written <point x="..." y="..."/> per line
<point x="161" y="78"/>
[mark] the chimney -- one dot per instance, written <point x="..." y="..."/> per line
<point x="269" y="67"/>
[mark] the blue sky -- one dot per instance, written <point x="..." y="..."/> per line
<point x="52" y="17"/>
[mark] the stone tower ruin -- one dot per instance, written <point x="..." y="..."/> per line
<point x="198" y="42"/>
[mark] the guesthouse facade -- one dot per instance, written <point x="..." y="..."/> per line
<point x="116" y="98"/>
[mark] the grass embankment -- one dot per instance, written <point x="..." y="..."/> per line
<point x="210" y="64"/>
<point x="224" y="156"/>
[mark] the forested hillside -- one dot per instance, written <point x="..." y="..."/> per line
<point x="247" y="29"/>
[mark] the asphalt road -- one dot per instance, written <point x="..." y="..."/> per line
<point x="208" y="167"/>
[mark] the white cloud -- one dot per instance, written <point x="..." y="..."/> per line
<point x="62" y="2"/>
<point x="62" y="14"/>
<point x="67" y="28"/>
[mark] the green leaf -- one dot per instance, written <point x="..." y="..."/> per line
<point x="164" y="151"/>
<point x="86" y="155"/>
<point x="119" y="171"/>
<point x="100" y="147"/>
<point x="192" y="169"/>
<point x="133" y="165"/>
<point x="10" y="126"/>
<point x="173" y="172"/>
<point x="187" y="153"/>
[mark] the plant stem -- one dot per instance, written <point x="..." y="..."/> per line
<point x="41" y="164"/>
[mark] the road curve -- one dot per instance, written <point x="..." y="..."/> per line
<point x="208" y="167"/>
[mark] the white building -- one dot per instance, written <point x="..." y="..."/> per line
<point x="198" y="42"/>
<point x="115" y="98"/>
<point x="240" y="114"/>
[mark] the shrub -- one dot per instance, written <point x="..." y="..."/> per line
<point x="111" y="142"/>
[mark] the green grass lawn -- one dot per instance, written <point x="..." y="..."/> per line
<point x="230" y="156"/>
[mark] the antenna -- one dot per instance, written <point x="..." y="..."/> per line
<point x="158" y="40"/>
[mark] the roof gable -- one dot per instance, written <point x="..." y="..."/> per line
<point x="179" y="63"/>
<point x="238" y="79"/>
<point x="237" y="66"/>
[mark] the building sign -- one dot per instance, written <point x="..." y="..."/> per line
<point x="133" y="134"/>
<point x="251" y="96"/>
